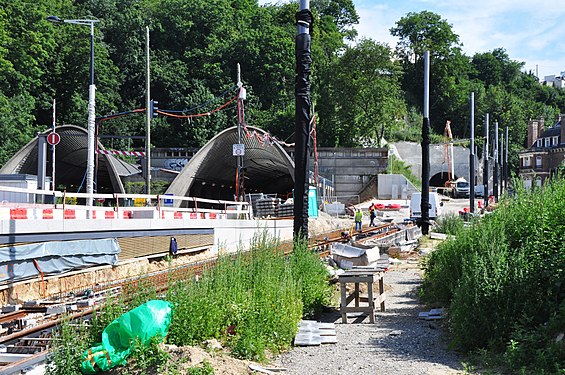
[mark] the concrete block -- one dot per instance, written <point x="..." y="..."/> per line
<point x="32" y="303"/>
<point x="85" y="303"/>
<point x="56" y="310"/>
<point x="10" y="308"/>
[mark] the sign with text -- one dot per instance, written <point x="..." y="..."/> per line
<point x="238" y="149"/>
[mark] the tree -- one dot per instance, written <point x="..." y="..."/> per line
<point x="427" y="31"/>
<point x="365" y="99"/>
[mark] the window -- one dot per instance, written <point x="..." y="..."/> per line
<point x="538" y="162"/>
<point x="526" y="161"/>
<point x="527" y="183"/>
<point x="538" y="143"/>
<point x="538" y="181"/>
<point x="555" y="140"/>
<point x="547" y="142"/>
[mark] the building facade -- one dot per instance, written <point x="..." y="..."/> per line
<point x="545" y="153"/>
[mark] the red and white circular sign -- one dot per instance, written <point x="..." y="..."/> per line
<point x="53" y="139"/>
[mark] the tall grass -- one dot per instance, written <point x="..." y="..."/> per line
<point x="252" y="301"/>
<point x="504" y="280"/>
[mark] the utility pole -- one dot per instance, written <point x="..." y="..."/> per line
<point x="472" y="157"/>
<point x="500" y="161"/>
<point x="53" y="150"/>
<point x="239" y="175"/>
<point x="506" y="161"/>
<point x="495" y="157"/>
<point x="485" y="162"/>
<point x="425" y="202"/>
<point x="147" y="115"/>
<point x="302" y="119"/>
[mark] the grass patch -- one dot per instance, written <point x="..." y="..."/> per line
<point x="252" y="301"/>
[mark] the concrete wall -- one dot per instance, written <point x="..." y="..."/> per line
<point x="411" y="153"/>
<point x="394" y="186"/>
<point x="350" y="169"/>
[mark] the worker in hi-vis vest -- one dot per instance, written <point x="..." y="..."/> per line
<point x="358" y="219"/>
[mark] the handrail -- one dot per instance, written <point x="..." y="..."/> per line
<point x="154" y="201"/>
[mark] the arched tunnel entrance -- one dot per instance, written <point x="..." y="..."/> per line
<point x="439" y="179"/>
<point x="211" y="172"/>
<point x="70" y="163"/>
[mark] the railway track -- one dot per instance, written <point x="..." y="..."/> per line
<point x="28" y="337"/>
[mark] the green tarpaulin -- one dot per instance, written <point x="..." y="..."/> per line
<point x="138" y="325"/>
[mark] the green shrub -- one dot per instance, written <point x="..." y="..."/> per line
<point x="450" y="223"/>
<point x="69" y="342"/>
<point x="503" y="280"/>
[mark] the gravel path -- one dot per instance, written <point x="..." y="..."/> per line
<point x="398" y="342"/>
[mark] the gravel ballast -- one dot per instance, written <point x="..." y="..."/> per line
<point x="398" y="343"/>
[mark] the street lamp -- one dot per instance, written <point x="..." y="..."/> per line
<point x="91" y="105"/>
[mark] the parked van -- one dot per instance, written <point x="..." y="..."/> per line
<point x="415" y="206"/>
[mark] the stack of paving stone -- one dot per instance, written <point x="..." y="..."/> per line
<point x="285" y="210"/>
<point x="266" y="207"/>
<point x="312" y="333"/>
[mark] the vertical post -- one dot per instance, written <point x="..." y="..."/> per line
<point x="472" y="157"/>
<point x="485" y="162"/>
<point x="495" y="157"/>
<point x="147" y="114"/>
<point x="53" y="151"/>
<point x="240" y="194"/>
<point x="501" y="158"/>
<point x="91" y="126"/>
<point x="425" y="203"/>
<point x="506" y="161"/>
<point x="41" y="163"/>
<point x="302" y="119"/>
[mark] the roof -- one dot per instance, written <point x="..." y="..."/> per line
<point x="211" y="172"/>
<point x="70" y="162"/>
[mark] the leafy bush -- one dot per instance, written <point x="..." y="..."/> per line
<point x="449" y="224"/>
<point x="503" y="279"/>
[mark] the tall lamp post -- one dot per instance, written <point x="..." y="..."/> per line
<point x="91" y="105"/>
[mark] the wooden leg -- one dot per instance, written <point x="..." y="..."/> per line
<point x="382" y="291"/>
<point x="343" y="303"/>
<point x="356" y="294"/>
<point x="371" y="302"/>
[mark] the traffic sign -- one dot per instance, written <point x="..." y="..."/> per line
<point x="238" y="149"/>
<point x="53" y="139"/>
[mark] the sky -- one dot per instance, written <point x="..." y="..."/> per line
<point x="532" y="32"/>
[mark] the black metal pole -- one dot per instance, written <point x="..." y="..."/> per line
<point x="472" y="158"/>
<point x="485" y="162"/>
<point x="495" y="156"/>
<point x="302" y="119"/>
<point x="506" y="161"/>
<point x="425" y="202"/>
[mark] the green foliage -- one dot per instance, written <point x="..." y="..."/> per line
<point x="400" y="167"/>
<point x="449" y="224"/>
<point x="151" y="358"/>
<point x="312" y="277"/>
<point x="503" y="280"/>
<point x="251" y="301"/>
<point x="69" y="342"/>
<point x="138" y="187"/>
